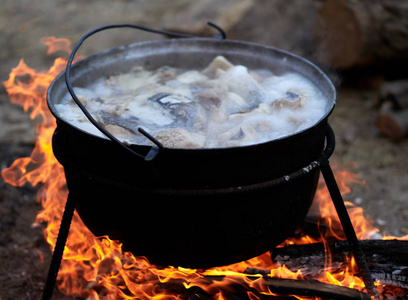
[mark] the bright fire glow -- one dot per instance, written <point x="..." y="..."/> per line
<point x="96" y="267"/>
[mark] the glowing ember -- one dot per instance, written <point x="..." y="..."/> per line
<point x="96" y="267"/>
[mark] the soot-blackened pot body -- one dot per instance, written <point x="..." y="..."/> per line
<point x="190" y="207"/>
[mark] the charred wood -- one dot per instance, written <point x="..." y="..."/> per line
<point x="245" y="286"/>
<point x="386" y="259"/>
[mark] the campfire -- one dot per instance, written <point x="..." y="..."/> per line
<point x="311" y="263"/>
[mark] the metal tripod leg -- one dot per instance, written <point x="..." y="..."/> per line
<point x="348" y="227"/>
<point x="334" y="193"/>
<point x="59" y="248"/>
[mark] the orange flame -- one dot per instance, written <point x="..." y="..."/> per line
<point x="96" y="267"/>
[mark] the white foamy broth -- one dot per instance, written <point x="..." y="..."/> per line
<point x="223" y="105"/>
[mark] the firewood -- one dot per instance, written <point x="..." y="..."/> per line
<point x="392" y="123"/>
<point x="239" y="288"/>
<point x="395" y="92"/>
<point x="360" y="33"/>
<point x="387" y="259"/>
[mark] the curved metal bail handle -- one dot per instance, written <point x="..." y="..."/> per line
<point x="154" y="151"/>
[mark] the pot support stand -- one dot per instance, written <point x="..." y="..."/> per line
<point x="325" y="168"/>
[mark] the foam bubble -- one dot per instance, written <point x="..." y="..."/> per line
<point x="221" y="106"/>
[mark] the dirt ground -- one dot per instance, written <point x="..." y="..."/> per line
<point x="24" y="256"/>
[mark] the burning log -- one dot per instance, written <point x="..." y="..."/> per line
<point x="387" y="259"/>
<point x="242" y="287"/>
<point x="357" y="33"/>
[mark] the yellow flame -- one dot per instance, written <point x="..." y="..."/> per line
<point x="96" y="267"/>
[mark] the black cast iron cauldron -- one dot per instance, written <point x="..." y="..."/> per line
<point x="190" y="207"/>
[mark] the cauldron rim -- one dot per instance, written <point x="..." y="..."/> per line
<point x="331" y="101"/>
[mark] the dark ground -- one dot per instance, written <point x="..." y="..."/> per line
<point x="24" y="255"/>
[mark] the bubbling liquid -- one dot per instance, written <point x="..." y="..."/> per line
<point x="223" y="105"/>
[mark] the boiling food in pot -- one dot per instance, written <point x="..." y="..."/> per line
<point x="223" y="105"/>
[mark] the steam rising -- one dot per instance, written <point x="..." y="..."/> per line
<point x="224" y="105"/>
